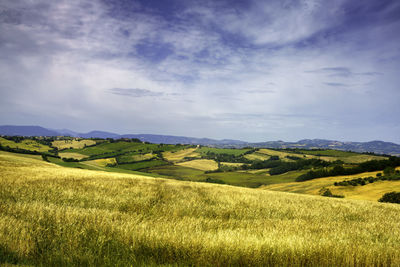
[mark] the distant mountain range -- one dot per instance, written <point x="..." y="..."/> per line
<point x="379" y="147"/>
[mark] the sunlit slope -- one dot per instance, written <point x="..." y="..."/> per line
<point x="50" y="215"/>
<point x="26" y="144"/>
<point x="372" y="191"/>
<point x="71" y="143"/>
<point x="176" y="156"/>
<point x="327" y="155"/>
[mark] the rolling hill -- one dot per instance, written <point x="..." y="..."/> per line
<point x="57" y="216"/>
<point x="378" y="147"/>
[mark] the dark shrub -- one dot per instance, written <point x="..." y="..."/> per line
<point x="392" y="197"/>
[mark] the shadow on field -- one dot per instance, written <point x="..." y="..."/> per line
<point x="8" y="256"/>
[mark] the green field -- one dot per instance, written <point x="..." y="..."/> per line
<point x="236" y="152"/>
<point x="372" y="191"/>
<point x="56" y="216"/>
<point x="178" y="172"/>
<point x="220" y="165"/>
<point x="328" y="152"/>
<point x="26" y="144"/>
<point x="72" y="143"/>
<point x="142" y="165"/>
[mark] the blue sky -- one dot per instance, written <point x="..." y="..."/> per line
<point x="249" y="70"/>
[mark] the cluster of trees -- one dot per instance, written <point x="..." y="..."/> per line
<point x="25" y="151"/>
<point x="392" y="197"/>
<point x="390" y="175"/>
<point x="222" y="157"/>
<point x="70" y="160"/>
<point x="272" y="162"/>
<point x="298" y="165"/>
<point x="367" y="166"/>
<point x="328" y="193"/>
<point x="357" y="181"/>
<point x="16" y="139"/>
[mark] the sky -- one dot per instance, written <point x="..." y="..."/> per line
<point x="224" y="69"/>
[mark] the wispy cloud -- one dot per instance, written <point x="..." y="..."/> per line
<point x="337" y="84"/>
<point x="134" y="92"/>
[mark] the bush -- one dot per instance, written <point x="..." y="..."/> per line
<point x="213" y="180"/>
<point x="44" y="157"/>
<point x="328" y="193"/>
<point x="70" y="160"/>
<point x="392" y="197"/>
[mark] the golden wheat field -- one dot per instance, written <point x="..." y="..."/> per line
<point x="179" y="155"/>
<point x="64" y="144"/>
<point x="200" y="164"/>
<point x="72" y="155"/>
<point x="57" y="216"/>
<point x="371" y="192"/>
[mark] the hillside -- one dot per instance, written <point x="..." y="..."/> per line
<point x="378" y="147"/>
<point x="370" y="191"/>
<point x="51" y="215"/>
<point x="248" y="167"/>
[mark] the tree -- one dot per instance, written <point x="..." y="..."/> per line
<point x="392" y="197"/>
<point x="388" y="171"/>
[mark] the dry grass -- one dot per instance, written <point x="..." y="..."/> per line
<point x="64" y="144"/>
<point x="341" y="155"/>
<point x="181" y="154"/>
<point x="200" y="164"/>
<point x="26" y="144"/>
<point x="72" y="155"/>
<point x="372" y="191"/>
<point x="102" y="162"/>
<point x="257" y="156"/>
<point x="55" y="216"/>
<point x="232" y="164"/>
<point x="141" y="157"/>
<point x="271" y="152"/>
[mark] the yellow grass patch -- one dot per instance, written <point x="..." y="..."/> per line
<point x="102" y="162"/>
<point x="26" y="144"/>
<point x="181" y="154"/>
<point x="256" y="156"/>
<point x="141" y="157"/>
<point x="372" y="191"/>
<point x="200" y="164"/>
<point x="72" y="155"/>
<point x="258" y="171"/>
<point x="233" y="164"/>
<point x="64" y="144"/>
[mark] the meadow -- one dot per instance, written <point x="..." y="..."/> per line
<point x="371" y="192"/>
<point x="278" y="169"/>
<point x="72" y="143"/>
<point x="26" y="144"/>
<point x="56" y="216"/>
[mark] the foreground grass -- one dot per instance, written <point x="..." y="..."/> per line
<point x="50" y="215"/>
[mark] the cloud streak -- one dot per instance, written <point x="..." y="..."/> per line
<point x="134" y="92"/>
